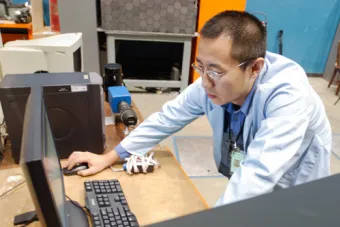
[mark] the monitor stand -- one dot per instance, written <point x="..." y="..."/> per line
<point x="76" y="216"/>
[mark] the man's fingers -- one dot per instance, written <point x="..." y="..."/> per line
<point x="86" y="172"/>
<point x="72" y="157"/>
<point x="81" y="158"/>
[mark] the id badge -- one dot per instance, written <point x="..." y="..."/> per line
<point x="237" y="156"/>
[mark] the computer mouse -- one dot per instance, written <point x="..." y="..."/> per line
<point x="75" y="169"/>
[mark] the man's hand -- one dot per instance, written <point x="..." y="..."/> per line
<point x="95" y="162"/>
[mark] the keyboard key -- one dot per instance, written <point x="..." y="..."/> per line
<point x="129" y="213"/>
<point x="97" y="222"/>
<point x="121" y="210"/>
<point x="88" y="188"/>
<point x="119" y="189"/>
<point x="126" y="223"/>
<point x="113" y="223"/>
<point x="107" y="225"/>
<point x="111" y="215"/>
<point x="116" y="213"/>
<point x="124" y="219"/>
<point x="112" y="219"/>
<point x="120" y="225"/>
<point x="107" y="204"/>
<point x="119" y="222"/>
<point x="105" y="217"/>
<point x="101" y="204"/>
<point x="96" y="218"/>
<point x="107" y="222"/>
<point x="103" y="211"/>
<point x="132" y="218"/>
<point x="126" y="208"/>
<point x="124" y="202"/>
<point x="116" y="199"/>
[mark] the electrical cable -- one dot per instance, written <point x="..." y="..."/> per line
<point x="10" y="190"/>
<point x="84" y="209"/>
<point x="263" y="14"/>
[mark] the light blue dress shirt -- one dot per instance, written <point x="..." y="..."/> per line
<point x="287" y="137"/>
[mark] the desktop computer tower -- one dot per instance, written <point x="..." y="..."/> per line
<point x="75" y="109"/>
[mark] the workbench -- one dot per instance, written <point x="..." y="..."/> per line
<point x="162" y="195"/>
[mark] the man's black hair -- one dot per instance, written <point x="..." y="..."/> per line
<point x="247" y="33"/>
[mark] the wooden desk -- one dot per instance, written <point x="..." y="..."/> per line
<point x="164" y="194"/>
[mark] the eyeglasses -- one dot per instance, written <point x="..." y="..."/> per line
<point x="213" y="74"/>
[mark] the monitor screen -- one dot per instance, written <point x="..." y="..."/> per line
<point x="53" y="170"/>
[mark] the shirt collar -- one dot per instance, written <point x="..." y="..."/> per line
<point x="246" y="105"/>
<point x="247" y="102"/>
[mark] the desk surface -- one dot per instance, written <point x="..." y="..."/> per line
<point x="164" y="194"/>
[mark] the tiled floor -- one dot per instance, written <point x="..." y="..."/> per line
<point x="212" y="188"/>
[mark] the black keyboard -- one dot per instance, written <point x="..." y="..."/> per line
<point x="107" y="204"/>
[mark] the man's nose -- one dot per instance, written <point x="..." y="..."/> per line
<point x="206" y="81"/>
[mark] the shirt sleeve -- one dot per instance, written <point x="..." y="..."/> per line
<point x="173" y="116"/>
<point x="275" y="148"/>
<point x="122" y="153"/>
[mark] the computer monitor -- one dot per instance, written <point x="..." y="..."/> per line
<point x="42" y="169"/>
<point x="57" y="53"/>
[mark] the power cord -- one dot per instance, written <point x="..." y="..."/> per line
<point x="10" y="190"/>
<point x="78" y="205"/>
<point x="35" y="217"/>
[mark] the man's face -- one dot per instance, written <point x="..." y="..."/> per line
<point x="234" y="85"/>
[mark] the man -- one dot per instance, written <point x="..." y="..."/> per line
<point x="269" y="126"/>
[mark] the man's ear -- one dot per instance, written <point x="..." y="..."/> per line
<point x="256" y="67"/>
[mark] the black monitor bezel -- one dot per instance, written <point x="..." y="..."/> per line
<point x="32" y="161"/>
